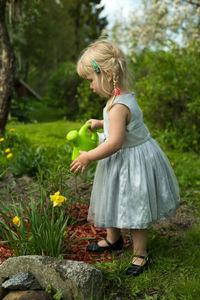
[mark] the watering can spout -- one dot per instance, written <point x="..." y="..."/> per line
<point x="81" y="141"/>
<point x="72" y="137"/>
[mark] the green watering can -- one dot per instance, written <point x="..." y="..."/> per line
<point x="81" y="141"/>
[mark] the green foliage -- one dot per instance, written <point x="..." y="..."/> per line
<point x="52" y="32"/>
<point x="168" y="92"/>
<point x="9" y="147"/>
<point x="62" y="89"/>
<point x="21" y="108"/>
<point x="58" y="295"/>
<point x="28" y="160"/>
<point x="55" y="179"/>
<point x="187" y="168"/>
<point x="25" y="157"/>
<point x="41" y="230"/>
<point x="44" y="112"/>
<point x="12" y="139"/>
<point x="90" y="104"/>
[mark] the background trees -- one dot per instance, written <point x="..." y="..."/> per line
<point x="160" y="24"/>
<point x="51" y="33"/>
<point x="44" y="34"/>
<point x="7" y="68"/>
<point x="163" y="45"/>
<point x="161" y="40"/>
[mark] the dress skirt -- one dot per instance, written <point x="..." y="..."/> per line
<point x="134" y="188"/>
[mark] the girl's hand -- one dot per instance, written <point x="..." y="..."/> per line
<point x="80" y="163"/>
<point x="95" y="124"/>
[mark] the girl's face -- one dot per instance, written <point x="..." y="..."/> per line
<point x="95" y="84"/>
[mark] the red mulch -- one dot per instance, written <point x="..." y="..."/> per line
<point x="84" y="229"/>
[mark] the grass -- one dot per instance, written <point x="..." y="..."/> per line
<point x="47" y="134"/>
<point x="174" y="273"/>
<point x="175" y="253"/>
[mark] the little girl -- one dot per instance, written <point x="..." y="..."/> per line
<point x="134" y="184"/>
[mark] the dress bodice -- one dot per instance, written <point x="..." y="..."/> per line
<point x="136" y="131"/>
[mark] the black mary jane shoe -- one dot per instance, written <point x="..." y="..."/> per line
<point x="94" y="247"/>
<point x="136" y="270"/>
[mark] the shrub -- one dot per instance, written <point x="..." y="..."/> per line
<point x="28" y="160"/>
<point x="19" y="155"/>
<point x="62" y="88"/>
<point x="169" y="94"/>
<point x="90" y="104"/>
<point x="21" y="108"/>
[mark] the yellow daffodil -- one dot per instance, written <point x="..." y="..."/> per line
<point x="2" y="139"/>
<point x="7" y="150"/>
<point x="172" y="163"/>
<point x="17" y="221"/>
<point x="35" y="145"/>
<point x="9" y="155"/>
<point x="57" y="199"/>
<point x="153" y="237"/>
<point x="12" y="130"/>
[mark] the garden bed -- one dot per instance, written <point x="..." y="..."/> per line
<point x="83" y="229"/>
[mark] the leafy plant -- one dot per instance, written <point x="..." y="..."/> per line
<point x="40" y="229"/>
<point x="168" y="92"/>
<point x="28" y="160"/>
<point x="12" y="139"/>
<point x="21" y="108"/>
<point x="10" y="145"/>
<point x="58" y="295"/>
<point x="55" y="178"/>
<point x="62" y="88"/>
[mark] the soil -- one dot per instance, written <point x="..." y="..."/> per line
<point x="15" y="189"/>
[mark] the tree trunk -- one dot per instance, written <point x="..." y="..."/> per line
<point x="7" y="72"/>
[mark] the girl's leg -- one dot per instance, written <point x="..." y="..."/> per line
<point x="113" y="235"/>
<point x="139" y="238"/>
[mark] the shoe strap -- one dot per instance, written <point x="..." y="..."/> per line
<point x="140" y="256"/>
<point x="109" y="244"/>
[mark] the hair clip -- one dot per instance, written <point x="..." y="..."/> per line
<point x="96" y="67"/>
<point x="117" y="92"/>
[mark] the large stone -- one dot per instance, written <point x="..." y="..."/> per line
<point x="22" y="281"/>
<point x="77" y="280"/>
<point x="28" y="295"/>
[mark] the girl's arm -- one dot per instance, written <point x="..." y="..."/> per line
<point x="118" y="117"/>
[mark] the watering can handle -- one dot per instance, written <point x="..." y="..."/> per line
<point x="84" y="128"/>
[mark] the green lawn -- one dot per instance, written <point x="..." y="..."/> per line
<point x="47" y="134"/>
<point x="175" y="252"/>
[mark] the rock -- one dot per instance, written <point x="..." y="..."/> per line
<point x="22" y="281"/>
<point x="28" y="295"/>
<point x="77" y="280"/>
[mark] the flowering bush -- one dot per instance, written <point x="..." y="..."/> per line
<point x="19" y="155"/>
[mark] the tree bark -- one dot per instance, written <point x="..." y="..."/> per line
<point x="7" y="72"/>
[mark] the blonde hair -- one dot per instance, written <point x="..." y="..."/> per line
<point x="110" y="59"/>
